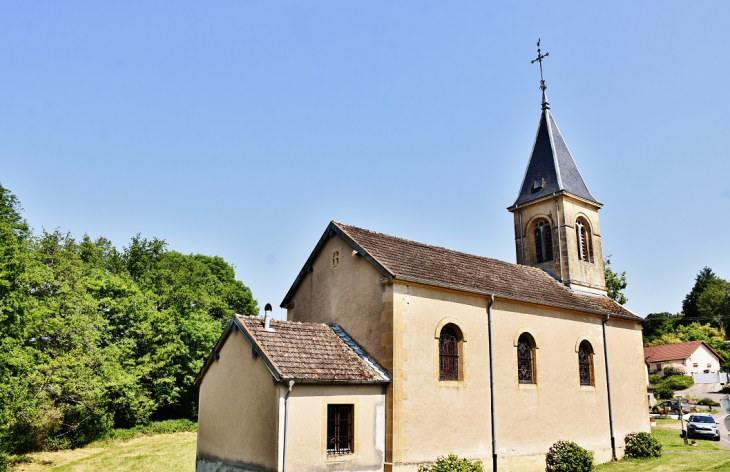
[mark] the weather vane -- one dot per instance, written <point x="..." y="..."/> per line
<point x="539" y="59"/>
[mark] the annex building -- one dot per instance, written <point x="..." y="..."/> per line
<point x="395" y="352"/>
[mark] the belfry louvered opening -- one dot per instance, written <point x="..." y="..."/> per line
<point x="583" y="239"/>
<point x="543" y="241"/>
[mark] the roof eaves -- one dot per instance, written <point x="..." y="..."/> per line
<point x="216" y="349"/>
<point x="340" y="382"/>
<point x="332" y="228"/>
<point x="516" y="299"/>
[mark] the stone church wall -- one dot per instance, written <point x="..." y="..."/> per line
<point x="433" y="417"/>
<point x="348" y="293"/>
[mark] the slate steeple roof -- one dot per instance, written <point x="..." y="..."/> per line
<point x="551" y="168"/>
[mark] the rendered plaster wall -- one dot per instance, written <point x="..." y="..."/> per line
<point x="705" y="360"/>
<point x="584" y="275"/>
<point x="349" y="294"/>
<point x="238" y="411"/>
<point x="307" y="443"/>
<point x="432" y="417"/>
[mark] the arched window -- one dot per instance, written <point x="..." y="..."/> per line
<point x="583" y="238"/>
<point x="526" y="359"/>
<point x="543" y="241"/>
<point x="449" y="353"/>
<point x="585" y="363"/>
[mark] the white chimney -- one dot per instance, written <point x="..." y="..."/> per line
<point x="267" y="318"/>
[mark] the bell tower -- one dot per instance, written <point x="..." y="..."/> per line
<point x="555" y="216"/>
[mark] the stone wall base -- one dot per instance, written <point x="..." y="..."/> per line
<point x="524" y="463"/>
<point x="214" y="465"/>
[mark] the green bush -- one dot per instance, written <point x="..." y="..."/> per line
<point x="664" y="392"/>
<point x="678" y="382"/>
<point x="672" y="371"/>
<point x="452" y="463"/>
<point x="642" y="446"/>
<point x="707" y="402"/>
<point x="655" y="379"/>
<point x="567" y="456"/>
<point x="4" y="462"/>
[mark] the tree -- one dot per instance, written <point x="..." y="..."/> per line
<point x="615" y="282"/>
<point x="689" y="305"/>
<point x="10" y="209"/>
<point x="659" y="324"/>
<point x="92" y="338"/>
<point x="714" y="302"/>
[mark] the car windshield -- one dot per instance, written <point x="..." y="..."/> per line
<point x="702" y="419"/>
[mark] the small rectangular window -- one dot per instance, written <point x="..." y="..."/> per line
<point x="339" y="429"/>
<point x="695" y="365"/>
<point x="709" y="365"/>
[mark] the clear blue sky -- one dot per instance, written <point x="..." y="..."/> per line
<point x="241" y="129"/>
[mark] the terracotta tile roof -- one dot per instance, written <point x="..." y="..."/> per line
<point x="311" y="352"/>
<point x="403" y="259"/>
<point x="671" y="352"/>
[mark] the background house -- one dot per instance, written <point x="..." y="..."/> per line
<point x="694" y="357"/>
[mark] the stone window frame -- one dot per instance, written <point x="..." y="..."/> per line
<point x="336" y="258"/>
<point x="461" y="337"/>
<point x="333" y="431"/>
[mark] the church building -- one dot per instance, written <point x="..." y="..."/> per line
<point x="395" y="352"/>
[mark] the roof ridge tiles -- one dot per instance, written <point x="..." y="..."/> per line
<point x="418" y="243"/>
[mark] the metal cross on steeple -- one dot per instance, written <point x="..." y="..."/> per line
<point x="539" y="59"/>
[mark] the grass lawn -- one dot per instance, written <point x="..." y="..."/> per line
<point x="707" y="455"/>
<point x="164" y="452"/>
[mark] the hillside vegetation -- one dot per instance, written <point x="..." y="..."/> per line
<point x="93" y="337"/>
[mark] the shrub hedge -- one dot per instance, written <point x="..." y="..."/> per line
<point x="567" y="456"/>
<point x="642" y="446"/>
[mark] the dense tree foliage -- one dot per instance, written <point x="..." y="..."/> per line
<point x="615" y="282"/>
<point x="92" y="337"/>
<point x="689" y="305"/>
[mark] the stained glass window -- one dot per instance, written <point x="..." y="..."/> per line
<point x="585" y="363"/>
<point x="525" y="360"/>
<point x="448" y="354"/>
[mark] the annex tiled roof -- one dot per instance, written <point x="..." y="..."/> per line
<point x="311" y="352"/>
<point x="671" y="352"/>
<point x="399" y="258"/>
<point x="551" y="160"/>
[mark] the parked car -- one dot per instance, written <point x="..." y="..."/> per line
<point x="702" y="425"/>
<point x="671" y="406"/>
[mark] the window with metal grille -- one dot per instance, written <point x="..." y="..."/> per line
<point x="583" y="238"/>
<point x="543" y="241"/>
<point x="526" y="359"/>
<point x="339" y="429"/>
<point x="448" y="354"/>
<point x="585" y="363"/>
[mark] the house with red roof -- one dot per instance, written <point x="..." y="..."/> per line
<point x="695" y="357"/>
